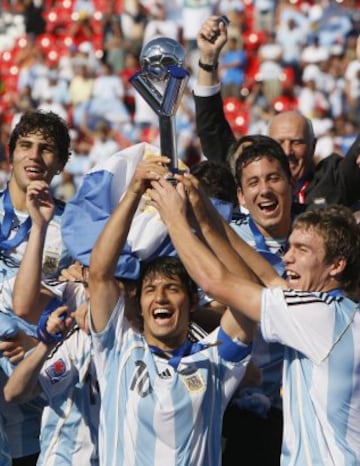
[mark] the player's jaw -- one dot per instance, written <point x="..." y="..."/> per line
<point x="165" y="327"/>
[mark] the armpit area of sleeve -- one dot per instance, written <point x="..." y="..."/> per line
<point x="106" y="336"/>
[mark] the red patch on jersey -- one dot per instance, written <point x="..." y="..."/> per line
<point x="56" y="371"/>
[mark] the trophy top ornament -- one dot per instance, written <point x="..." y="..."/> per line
<point x="158" y="54"/>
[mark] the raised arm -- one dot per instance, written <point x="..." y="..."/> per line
<point x="218" y="233"/>
<point x="29" y="299"/>
<point x="104" y="289"/>
<point x="239" y="291"/>
<point x="23" y="383"/>
<point x="214" y="131"/>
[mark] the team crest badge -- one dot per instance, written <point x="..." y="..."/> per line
<point x="56" y="371"/>
<point x="50" y="263"/>
<point x="193" y="382"/>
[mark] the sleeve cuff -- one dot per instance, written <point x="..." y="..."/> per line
<point x="206" y="91"/>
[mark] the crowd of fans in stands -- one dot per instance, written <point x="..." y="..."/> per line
<point x="75" y="57"/>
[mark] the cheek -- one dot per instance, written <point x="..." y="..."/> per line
<point x="248" y="198"/>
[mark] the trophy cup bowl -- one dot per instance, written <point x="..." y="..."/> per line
<point x="161" y="82"/>
<point x="158" y="54"/>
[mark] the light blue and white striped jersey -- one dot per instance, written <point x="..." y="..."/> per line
<point x="266" y="356"/>
<point x="321" y="383"/>
<point x="153" y="414"/>
<point x="69" y="427"/>
<point x="20" y="420"/>
<point x="55" y="257"/>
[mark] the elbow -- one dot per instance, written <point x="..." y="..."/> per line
<point x="212" y="283"/>
<point x="11" y="395"/>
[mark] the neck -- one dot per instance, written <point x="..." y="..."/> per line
<point x="276" y="232"/>
<point x="18" y="196"/>
<point x="166" y="344"/>
<point x="331" y="285"/>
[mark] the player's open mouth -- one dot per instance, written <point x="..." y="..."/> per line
<point x="162" y="314"/>
<point x="268" y="206"/>
<point x="34" y="170"/>
<point x="290" y="275"/>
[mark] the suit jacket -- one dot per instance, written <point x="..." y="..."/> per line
<point x="336" y="179"/>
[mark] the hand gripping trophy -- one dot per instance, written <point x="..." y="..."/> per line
<point x="161" y="82"/>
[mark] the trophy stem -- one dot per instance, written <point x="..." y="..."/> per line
<point x="168" y="139"/>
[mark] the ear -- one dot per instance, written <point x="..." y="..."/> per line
<point x="240" y="197"/>
<point x="337" y="267"/>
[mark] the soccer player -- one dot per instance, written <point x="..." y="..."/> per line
<point x="62" y="371"/>
<point x="163" y="396"/>
<point x="309" y="313"/>
<point x="38" y="149"/>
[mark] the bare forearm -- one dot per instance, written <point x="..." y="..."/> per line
<point x="110" y="243"/>
<point x="23" y="383"/>
<point x="28" y="280"/>
<point x="260" y="267"/>
<point x="236" y="288"/>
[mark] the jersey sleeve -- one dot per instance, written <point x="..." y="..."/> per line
<point x="299" y="320"/>
<point x="109" y="341"/>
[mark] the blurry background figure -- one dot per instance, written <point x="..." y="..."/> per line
<point x="231" y="68"/>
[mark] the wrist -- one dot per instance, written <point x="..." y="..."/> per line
<point x="208" y="66"/>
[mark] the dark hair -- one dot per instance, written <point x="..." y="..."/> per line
<point x="341" y="235"/>
<point x="258" y="150"/>
<point x="236" y="148"/>
<point x="50" y="125"/>
<point x="216" y="180"/>
<point x="167" y="266"/>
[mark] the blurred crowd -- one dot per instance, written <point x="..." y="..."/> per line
<point x="75" y="57"/>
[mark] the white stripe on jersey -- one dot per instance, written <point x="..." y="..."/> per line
<point x="321" y="386"/>
<point x="148" y="419"/>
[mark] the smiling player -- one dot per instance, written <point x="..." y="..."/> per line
<point x="163" y="396"/>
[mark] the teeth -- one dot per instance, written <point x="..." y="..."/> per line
<point x="162" y="313"/>
<point x="292" y="275"/>
<point x="33" y="170"/>
<point x="267" y="205"/>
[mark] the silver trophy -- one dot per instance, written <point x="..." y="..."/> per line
<point x="161" y="82"/>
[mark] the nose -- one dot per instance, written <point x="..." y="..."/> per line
<point x="264" y="186"/>
<point x="287" y="147"/>
<point x="160" y="295"/>
<point x="287" y="257"/>
<point x="36" y="152"/>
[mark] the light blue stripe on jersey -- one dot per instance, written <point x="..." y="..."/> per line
<point x="152" y="414"/>
<point x="338" y="390"/>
